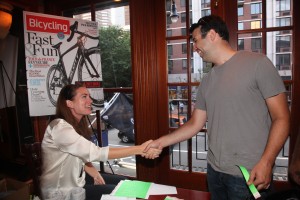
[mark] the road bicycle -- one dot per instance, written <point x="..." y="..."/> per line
<point x="86" y="61"/>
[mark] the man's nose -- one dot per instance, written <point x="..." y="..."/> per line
<point x="194" y="47"/>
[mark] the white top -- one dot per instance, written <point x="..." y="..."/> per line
<point x="64" y="154"/>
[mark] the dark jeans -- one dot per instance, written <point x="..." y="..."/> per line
<point x="229" y="187"/>
<point x="94" y="192"/>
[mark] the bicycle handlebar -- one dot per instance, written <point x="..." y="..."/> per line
<point x="74" y="29"/>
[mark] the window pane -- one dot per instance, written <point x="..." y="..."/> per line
<point x="241" y="26"/>
<point x="177" y="117"/>
<point x="240" y="9"/>
<point x="249" y="14"/>
<point x="255" y="8"/>
<point x="116" y="71"/>
<point x="178" y="65"/>
<point x="280" y="14"/>
<point x="177" y="72"/>
<point x="116" y="67"/>
<point x="280" y="52"/>
<point x="241" y="44"/>
<point x="250" y="42"/>
<point x="175" y="27"/>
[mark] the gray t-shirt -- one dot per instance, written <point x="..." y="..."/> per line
<point x="233" y="95"/>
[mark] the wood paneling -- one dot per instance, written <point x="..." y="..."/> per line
<point x="145" y="77"/>
<point x="295" y="114"/>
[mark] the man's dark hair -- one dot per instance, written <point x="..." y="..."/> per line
<point x="211" y="22"/>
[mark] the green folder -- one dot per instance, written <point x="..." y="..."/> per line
<point x="252" y="187"/>
<point x="137" y="189"/>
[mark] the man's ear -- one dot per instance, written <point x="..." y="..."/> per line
<point x="69" y="103"/>
<point x="212" y="34"/>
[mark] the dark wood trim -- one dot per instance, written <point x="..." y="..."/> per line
<point x="145" y="76"/>
<point x="295" y="113"/>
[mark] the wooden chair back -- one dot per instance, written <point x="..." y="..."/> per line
<point x="34" y="159"/>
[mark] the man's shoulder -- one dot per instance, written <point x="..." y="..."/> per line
<point x="251" y="54"/>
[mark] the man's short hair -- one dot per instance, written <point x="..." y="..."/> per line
<point x="209" y="22"/>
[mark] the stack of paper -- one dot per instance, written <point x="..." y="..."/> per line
<point x="140" y="189"/>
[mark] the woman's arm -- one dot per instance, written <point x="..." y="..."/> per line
<point x="133" y="150"/>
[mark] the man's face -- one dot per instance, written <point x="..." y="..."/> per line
<point x="199" y="43"/>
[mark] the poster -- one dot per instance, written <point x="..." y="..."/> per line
<point x="60" y="51"/>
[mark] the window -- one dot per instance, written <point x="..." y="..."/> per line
<point x="255" y="24"/>
<point x="169" y="33"/>
<point x="255" y="8"/>
<point x="283" y="5"/>
<point x="170" y="65"/>
<point x="255" y="44"/>
<point x="262" y="33"/>
<point x="283" y="61"/>
<point x="183" y="17"/>
<point x="283" y="21"/>
<point x="182" y="3"/>
<point x="206" y="12"/>
<point x="241" y="26"/>
<point x="240" y="44"/>
<point x="170" y="50"/>
<point x="184" y="48"/>
<point x="241" y="10"/>
<point x="283" y="43"/>
<point x="184" y="64"/>
<point x="183" y="31"/>
<point x="116" y="67"/>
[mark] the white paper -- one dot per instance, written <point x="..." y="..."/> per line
<point x="158" y="189"/>
<point x="111" y="197"/>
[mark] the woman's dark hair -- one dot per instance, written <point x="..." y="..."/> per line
<point x="63" y="111"/>
<point x="209" y="22"/>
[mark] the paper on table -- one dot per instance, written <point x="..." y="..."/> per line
<point x="172" y="198"/>
<point x="110" y="197"/>
<point x="157" y="189"/>
<point x="128" y="188"/>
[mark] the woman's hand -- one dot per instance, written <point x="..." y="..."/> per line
<point x="93" y="172"/>
<point x="151" y="153"/>
<point x="98" y="180"/>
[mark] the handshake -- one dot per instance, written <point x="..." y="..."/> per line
<point x="150" y="149"/>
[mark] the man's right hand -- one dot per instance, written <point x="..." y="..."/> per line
<point x="155" y="144"/>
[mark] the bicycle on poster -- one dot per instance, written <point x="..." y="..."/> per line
<point x="87" y="61"/>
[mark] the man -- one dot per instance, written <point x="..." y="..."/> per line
<point x="243" y="100"/>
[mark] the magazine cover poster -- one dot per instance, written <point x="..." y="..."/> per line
<point x="60" y="51"/>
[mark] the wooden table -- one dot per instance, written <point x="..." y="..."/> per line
<point x="184" y="194"/>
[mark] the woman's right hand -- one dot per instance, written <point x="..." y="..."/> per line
<point x="152" y="153"/>
<point x="98" y="180"/>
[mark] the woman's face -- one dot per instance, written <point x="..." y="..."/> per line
<point x="81" y="104"/>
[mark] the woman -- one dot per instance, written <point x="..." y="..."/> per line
<point x="67" y="153"/>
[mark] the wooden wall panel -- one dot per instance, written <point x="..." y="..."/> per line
<point x="295" y="114"/>
<point x="145" y="76"/>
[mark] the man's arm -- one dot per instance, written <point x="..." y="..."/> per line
<point x="188" y="130"/>
<point x="279" y="131"/>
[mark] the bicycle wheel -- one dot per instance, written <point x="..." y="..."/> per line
<point x="54" y="83"/>
<point x="87" y="73"/>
